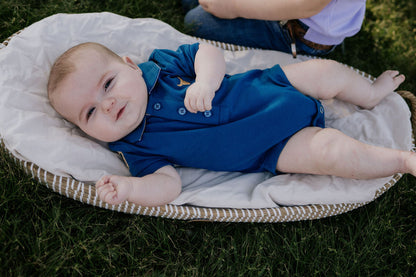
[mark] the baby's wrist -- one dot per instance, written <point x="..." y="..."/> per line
<point x="131" y="187"/>
<point x="208" y="85"/>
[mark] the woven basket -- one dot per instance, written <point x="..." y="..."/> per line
<point x="85" y="193"/>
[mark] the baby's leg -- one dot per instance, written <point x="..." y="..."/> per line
<point x="330" y="152"/>
<point x="327" y="79"/>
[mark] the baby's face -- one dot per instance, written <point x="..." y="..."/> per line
<point x="106" y="99"/>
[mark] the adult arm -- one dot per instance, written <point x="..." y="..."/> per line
<point x="158" y="188"/>
<point x="210" y="70"/>
<point x="264" y="9"/>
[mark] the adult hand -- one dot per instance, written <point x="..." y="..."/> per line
<point x="220" y="8"/>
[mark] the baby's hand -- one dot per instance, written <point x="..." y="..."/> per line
<point x="199" y="97"/>
<point x="113" y="189"/>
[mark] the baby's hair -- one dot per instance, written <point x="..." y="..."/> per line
<point x="65" y="65"/>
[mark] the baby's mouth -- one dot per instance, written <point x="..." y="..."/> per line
<point x="120" y="112"/>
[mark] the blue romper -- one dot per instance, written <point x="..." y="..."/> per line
<point x="253" y="116"/>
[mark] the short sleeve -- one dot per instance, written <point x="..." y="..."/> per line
<point x="142" y="165"/>
<point x="137" y="161"/>
<point x="180" y="62"/>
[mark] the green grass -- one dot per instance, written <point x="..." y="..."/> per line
<point x="45" y="234"/>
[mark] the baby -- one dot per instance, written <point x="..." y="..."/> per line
<point x="180" y="108"/>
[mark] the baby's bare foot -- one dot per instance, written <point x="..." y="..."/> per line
<point x="388" y="81"/>
<point x="385" y="84"/>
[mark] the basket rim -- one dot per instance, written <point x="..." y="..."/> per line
<point x="85" y="193"/>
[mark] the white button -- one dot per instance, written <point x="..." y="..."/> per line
<point x="157" y="106"/>
<point x="207" y="113"/>
<point x="182" y="111"/>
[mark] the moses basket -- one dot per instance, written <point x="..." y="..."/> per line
<point x="85" y="192"/>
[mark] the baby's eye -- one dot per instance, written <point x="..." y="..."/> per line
<point x="89" y="113"/>
<point x="108" y="83"/>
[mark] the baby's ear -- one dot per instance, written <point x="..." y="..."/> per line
<point x="129" y="62"/>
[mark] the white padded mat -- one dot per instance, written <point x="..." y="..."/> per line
<point x="33" y="131"/>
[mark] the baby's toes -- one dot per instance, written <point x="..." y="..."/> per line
<point x="398" y="79"/>
<point x="392" y="73"/>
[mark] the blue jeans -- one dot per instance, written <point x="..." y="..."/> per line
<point x="246" y="32"/>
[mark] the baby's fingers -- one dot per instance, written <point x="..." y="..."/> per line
<point x="207" y="103"/>
<point x="200" y="104"/>
<point x="103" y="190"/>
<point x="103" y="180"/>
<point x="198" y="98"/>
<point x="111" y="198"/>
<point x="190" y="103"/>
<point x="100" y="187"/>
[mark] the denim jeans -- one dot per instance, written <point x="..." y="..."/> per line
<point x="246" y="32"/>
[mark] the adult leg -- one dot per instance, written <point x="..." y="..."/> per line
<point x="326" y="79"/>
<point x="240" y="31"/>
<point x="328" y="151"/>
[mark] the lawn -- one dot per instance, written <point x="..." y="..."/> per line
<point x="45" y="234"/>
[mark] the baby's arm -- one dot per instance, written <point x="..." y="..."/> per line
<point x="155" y="189"/>
<point x="210" y="70"/>
<point x="264" y="9"/>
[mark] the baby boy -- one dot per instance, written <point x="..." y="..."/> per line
<point x="180" y="108"/>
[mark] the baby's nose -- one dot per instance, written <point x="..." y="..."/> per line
<point x="108" y="104"/>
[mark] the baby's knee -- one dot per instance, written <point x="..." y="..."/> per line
<point x="326" y="146"/>
<point x="327" y="82"/>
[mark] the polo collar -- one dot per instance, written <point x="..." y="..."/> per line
<point x="150" y="74"/>
<point x="136" y="135"/>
